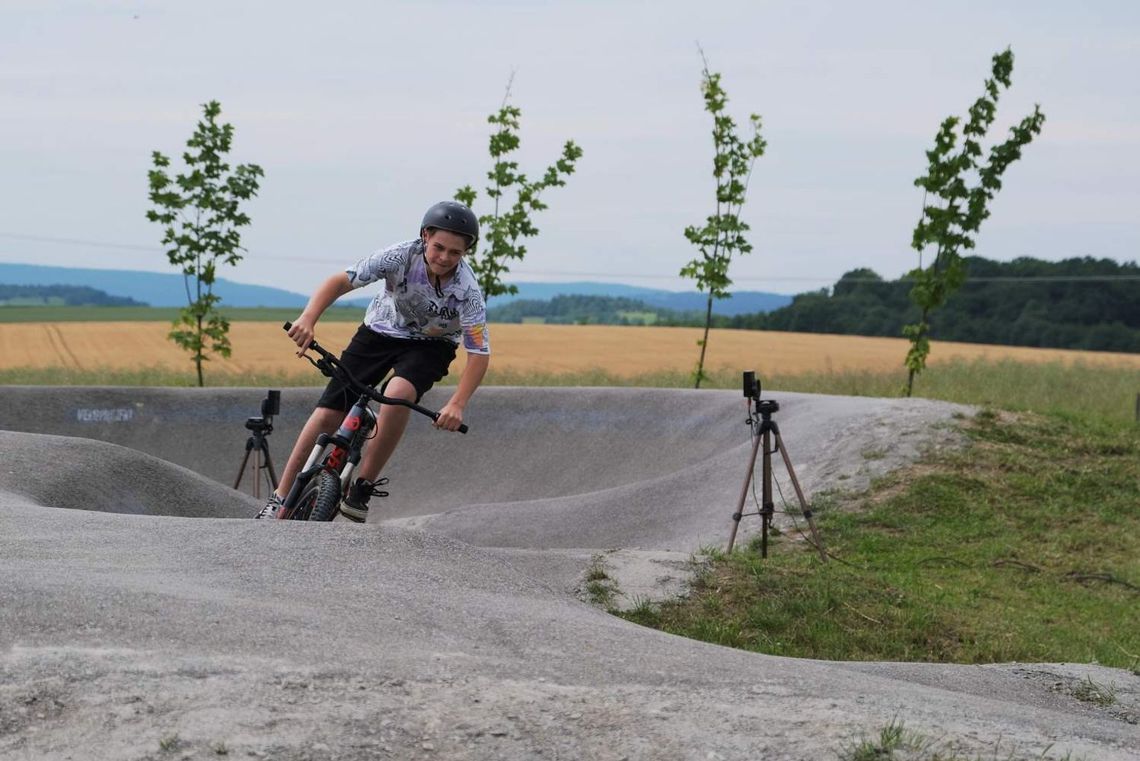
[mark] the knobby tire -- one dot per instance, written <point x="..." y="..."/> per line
<point x="308" y="497"/>
<point x="324" y="501"/>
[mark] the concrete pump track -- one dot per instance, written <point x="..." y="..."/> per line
<point x="141" y="620"/>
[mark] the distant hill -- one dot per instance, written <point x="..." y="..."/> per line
<point x="61" y="295"/>
<point x="155" y="288"/>
<point x="167" y="290"/>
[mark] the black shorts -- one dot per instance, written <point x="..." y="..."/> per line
<point x="370" y="356"/>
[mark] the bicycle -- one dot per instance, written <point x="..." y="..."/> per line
<point x="324" y="479"/>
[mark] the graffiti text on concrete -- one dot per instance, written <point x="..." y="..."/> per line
<point x="120" y="415"/>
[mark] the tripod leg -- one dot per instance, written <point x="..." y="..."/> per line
<point x="269" y="465"/>
<point x="743" y="493"/>
<point x="767" y="506"/>
<point x="241" y="470"/>
<point x="800" y="495"/>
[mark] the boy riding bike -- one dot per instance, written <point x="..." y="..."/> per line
<point x="431" y="303"/>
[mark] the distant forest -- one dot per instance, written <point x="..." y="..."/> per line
<point x="61" y="295"/>
<point x="590" y="310"/>
<point x="1084" y="303"/>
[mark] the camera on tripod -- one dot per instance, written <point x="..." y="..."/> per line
<point x="751" y="385"/>
<point x="258" y="445"/>
<point x="270" y="406"/>
<point x="764" y="430"/>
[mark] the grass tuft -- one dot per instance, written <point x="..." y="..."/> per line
<point x="896" y="742"/>
<point x="600" y="587"/>
<point x="1089" y="691"/>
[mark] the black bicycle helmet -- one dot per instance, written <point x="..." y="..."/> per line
<point x="453" y="217"/>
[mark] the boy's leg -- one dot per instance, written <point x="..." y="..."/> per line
<point x="391" y="420"/>
<point x="323" y="420"/>
<point x="416" y="366"/>
<point x="390" y="425"/>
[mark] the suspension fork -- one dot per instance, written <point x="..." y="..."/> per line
<point x="354" y="453"/>
<point x="347" y="444"/>
<point x="308" y="470"/>
<point x="351" y="436"/>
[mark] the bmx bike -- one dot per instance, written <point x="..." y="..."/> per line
<point x="324" y="479"/>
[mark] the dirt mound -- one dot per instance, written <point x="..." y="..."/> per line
<point x="82" y="474"/>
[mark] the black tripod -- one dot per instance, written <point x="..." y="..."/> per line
<point x="763" y="429"/>
<point x="258" y="445"/>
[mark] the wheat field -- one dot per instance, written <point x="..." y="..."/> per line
<point x="619" y="351"/>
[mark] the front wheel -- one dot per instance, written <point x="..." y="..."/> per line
<point x="320" y="499"/>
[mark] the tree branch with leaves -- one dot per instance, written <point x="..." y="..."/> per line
<point x="723" y="234"/>
<point x="510" y="220"/>
<point x="201" y="218"/>
<point x="959" y="184"/>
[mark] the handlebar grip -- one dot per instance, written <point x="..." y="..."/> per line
<point x="462" y="426"/>
<point x="312" y="344"/>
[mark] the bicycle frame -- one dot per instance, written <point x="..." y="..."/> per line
<point x="348" y="446"/>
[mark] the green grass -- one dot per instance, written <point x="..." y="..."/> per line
<point x="1077" y="390"/>
<point x="600" y="588"/>
<point x="1024" y="547"/>
<point x="895" y="741"/>
<point x="1089" y="691"/>
<point x="155" y="376"/>
<point x="1098" y="391"/>
<point x="162" y="314"/>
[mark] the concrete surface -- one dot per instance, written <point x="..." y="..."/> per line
<point x="144" y="624"/>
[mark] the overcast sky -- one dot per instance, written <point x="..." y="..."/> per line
<point x="364" y="113"/>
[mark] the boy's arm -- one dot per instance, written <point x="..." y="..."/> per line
<point x="452" y="413"/>
<point x="328" y="292"/>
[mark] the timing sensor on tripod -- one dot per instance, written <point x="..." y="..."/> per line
<point x="270" y="406"/>
<point x="752" y="394"/>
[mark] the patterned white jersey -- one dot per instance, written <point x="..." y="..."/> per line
<point x="411" y="307"/>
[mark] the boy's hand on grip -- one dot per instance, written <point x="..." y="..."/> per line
<point x="301" y="331"/>
<point x="450" y="418"/>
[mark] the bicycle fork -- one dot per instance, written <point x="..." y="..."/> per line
<point x="345" y="456"/>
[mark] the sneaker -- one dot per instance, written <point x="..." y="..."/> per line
<point x="272" y="506"/>
<point x="355" y="504"/>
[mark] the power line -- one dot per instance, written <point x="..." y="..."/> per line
<point x="79" y="242"/>
<point x="638" y="275"/>
<point x="994" y="279"/>
<point x="136" y="247"/>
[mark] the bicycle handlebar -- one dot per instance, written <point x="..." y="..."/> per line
<point x="332" y="366"/>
